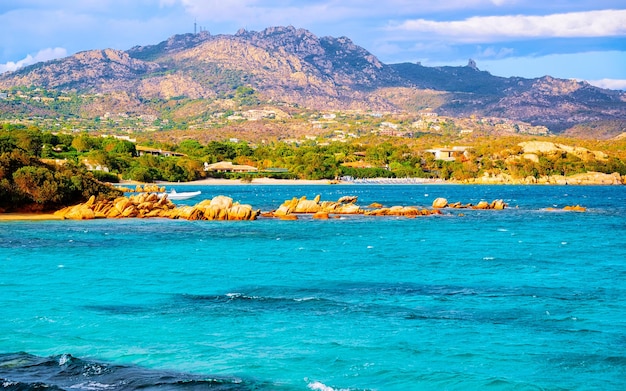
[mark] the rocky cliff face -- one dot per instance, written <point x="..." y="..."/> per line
<point x="285" y="64"/>
<point x="556" y="103"/>
<point x="93" y="71"/>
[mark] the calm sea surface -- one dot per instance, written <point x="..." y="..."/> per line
<point x="526" y="298"/>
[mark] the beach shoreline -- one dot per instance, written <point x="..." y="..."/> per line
<point x="11" y="216"/>
<point x="239" y="182"/>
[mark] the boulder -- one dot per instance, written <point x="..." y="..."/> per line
<point x="321" y="215"/>
<point x="576" y="208"/>
<point x="241" y="212"/>
<point x="80" y="212"/>
<point x="282" y="210"/>
<point x="498" y="204"/>
<point x="307" y="206"/>
<point x="91" y="201"/>
<point x="348" y="199"/>
<point x="222" y="201"/>
<point x="348" y="209"/>
<point x="122" y="203"/>
<point x="440" y="202"/>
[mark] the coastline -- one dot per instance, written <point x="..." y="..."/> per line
<point x="588" y="179"/>
<point x="238" y="182"/>
<point x="28" y="216"/>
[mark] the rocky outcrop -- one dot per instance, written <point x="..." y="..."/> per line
<point x="147" y="205"/>
<point x="345" y="205"/>
<point x="402" y="211"/>
<point x="440" y="203"/>
<point x="587" y="178"/>
<point x="545" y="147"/>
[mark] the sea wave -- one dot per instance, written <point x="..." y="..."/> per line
<point x="24" y="372"/>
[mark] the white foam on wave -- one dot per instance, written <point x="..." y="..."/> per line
<point x="65" y="358"/>
<point x="306" y="298"/>
<point x="319" y="386"/>
<point x="93" y="386"/>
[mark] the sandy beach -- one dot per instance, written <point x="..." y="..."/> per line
<point x="237" y="182"/>
<point x="28" y="216"/>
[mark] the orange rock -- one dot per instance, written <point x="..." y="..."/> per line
<point x="80" y="212"/>
<point x="498" y="204"/>
<point x="307" y="206"/>
<point x="321" y="215"/>
<point x="241" y="212"/>
<point x="440" y="203"/>
<point x="576" y="208"/>
<point x="222" y="201"/>
<point x="289" y="217"/>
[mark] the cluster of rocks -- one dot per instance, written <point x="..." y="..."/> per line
<point x="440" y="203"/>
<point x="146" y="205"/>
<point x="404" y="211"/>
<point x="344" y="206"/>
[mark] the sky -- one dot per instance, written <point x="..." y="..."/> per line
<point x="569" y="39"/>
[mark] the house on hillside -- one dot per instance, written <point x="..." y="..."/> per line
<point x="448" y="154"/>
<point x="155" y="152"/>
<point x="228" y="167"/>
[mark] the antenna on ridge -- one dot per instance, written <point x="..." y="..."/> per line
<point x="194" y="26"/>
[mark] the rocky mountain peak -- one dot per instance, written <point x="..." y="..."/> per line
<point x="288" y="64"/>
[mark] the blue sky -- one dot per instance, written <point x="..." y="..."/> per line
<point x="570" y="39"/>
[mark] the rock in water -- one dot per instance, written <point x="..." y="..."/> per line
<point x="440" y="202"/>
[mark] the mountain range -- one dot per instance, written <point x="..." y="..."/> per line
<point x="285" y="65"/>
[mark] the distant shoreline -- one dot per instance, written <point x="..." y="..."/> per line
<point x="239" y="182"/>
<point x="297" y="182"/>
<point x="17" y="216"/>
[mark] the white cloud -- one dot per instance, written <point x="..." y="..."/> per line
<point x="491" y="52"/>
<point x="605" y="23"/>
<point x="42" y="55"/>
<point x="611" y="84"/>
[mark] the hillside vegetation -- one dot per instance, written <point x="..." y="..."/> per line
<point x="41" y="170"/>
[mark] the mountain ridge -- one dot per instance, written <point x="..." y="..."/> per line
<point x="294" y="66"/>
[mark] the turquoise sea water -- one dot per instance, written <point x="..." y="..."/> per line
<point x="525" y="298"/>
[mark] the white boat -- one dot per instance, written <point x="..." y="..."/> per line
<point x="173" y="195"/>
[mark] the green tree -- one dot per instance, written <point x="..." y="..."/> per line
<point x="38" y="183"/>
<point x="191" y="148"/>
